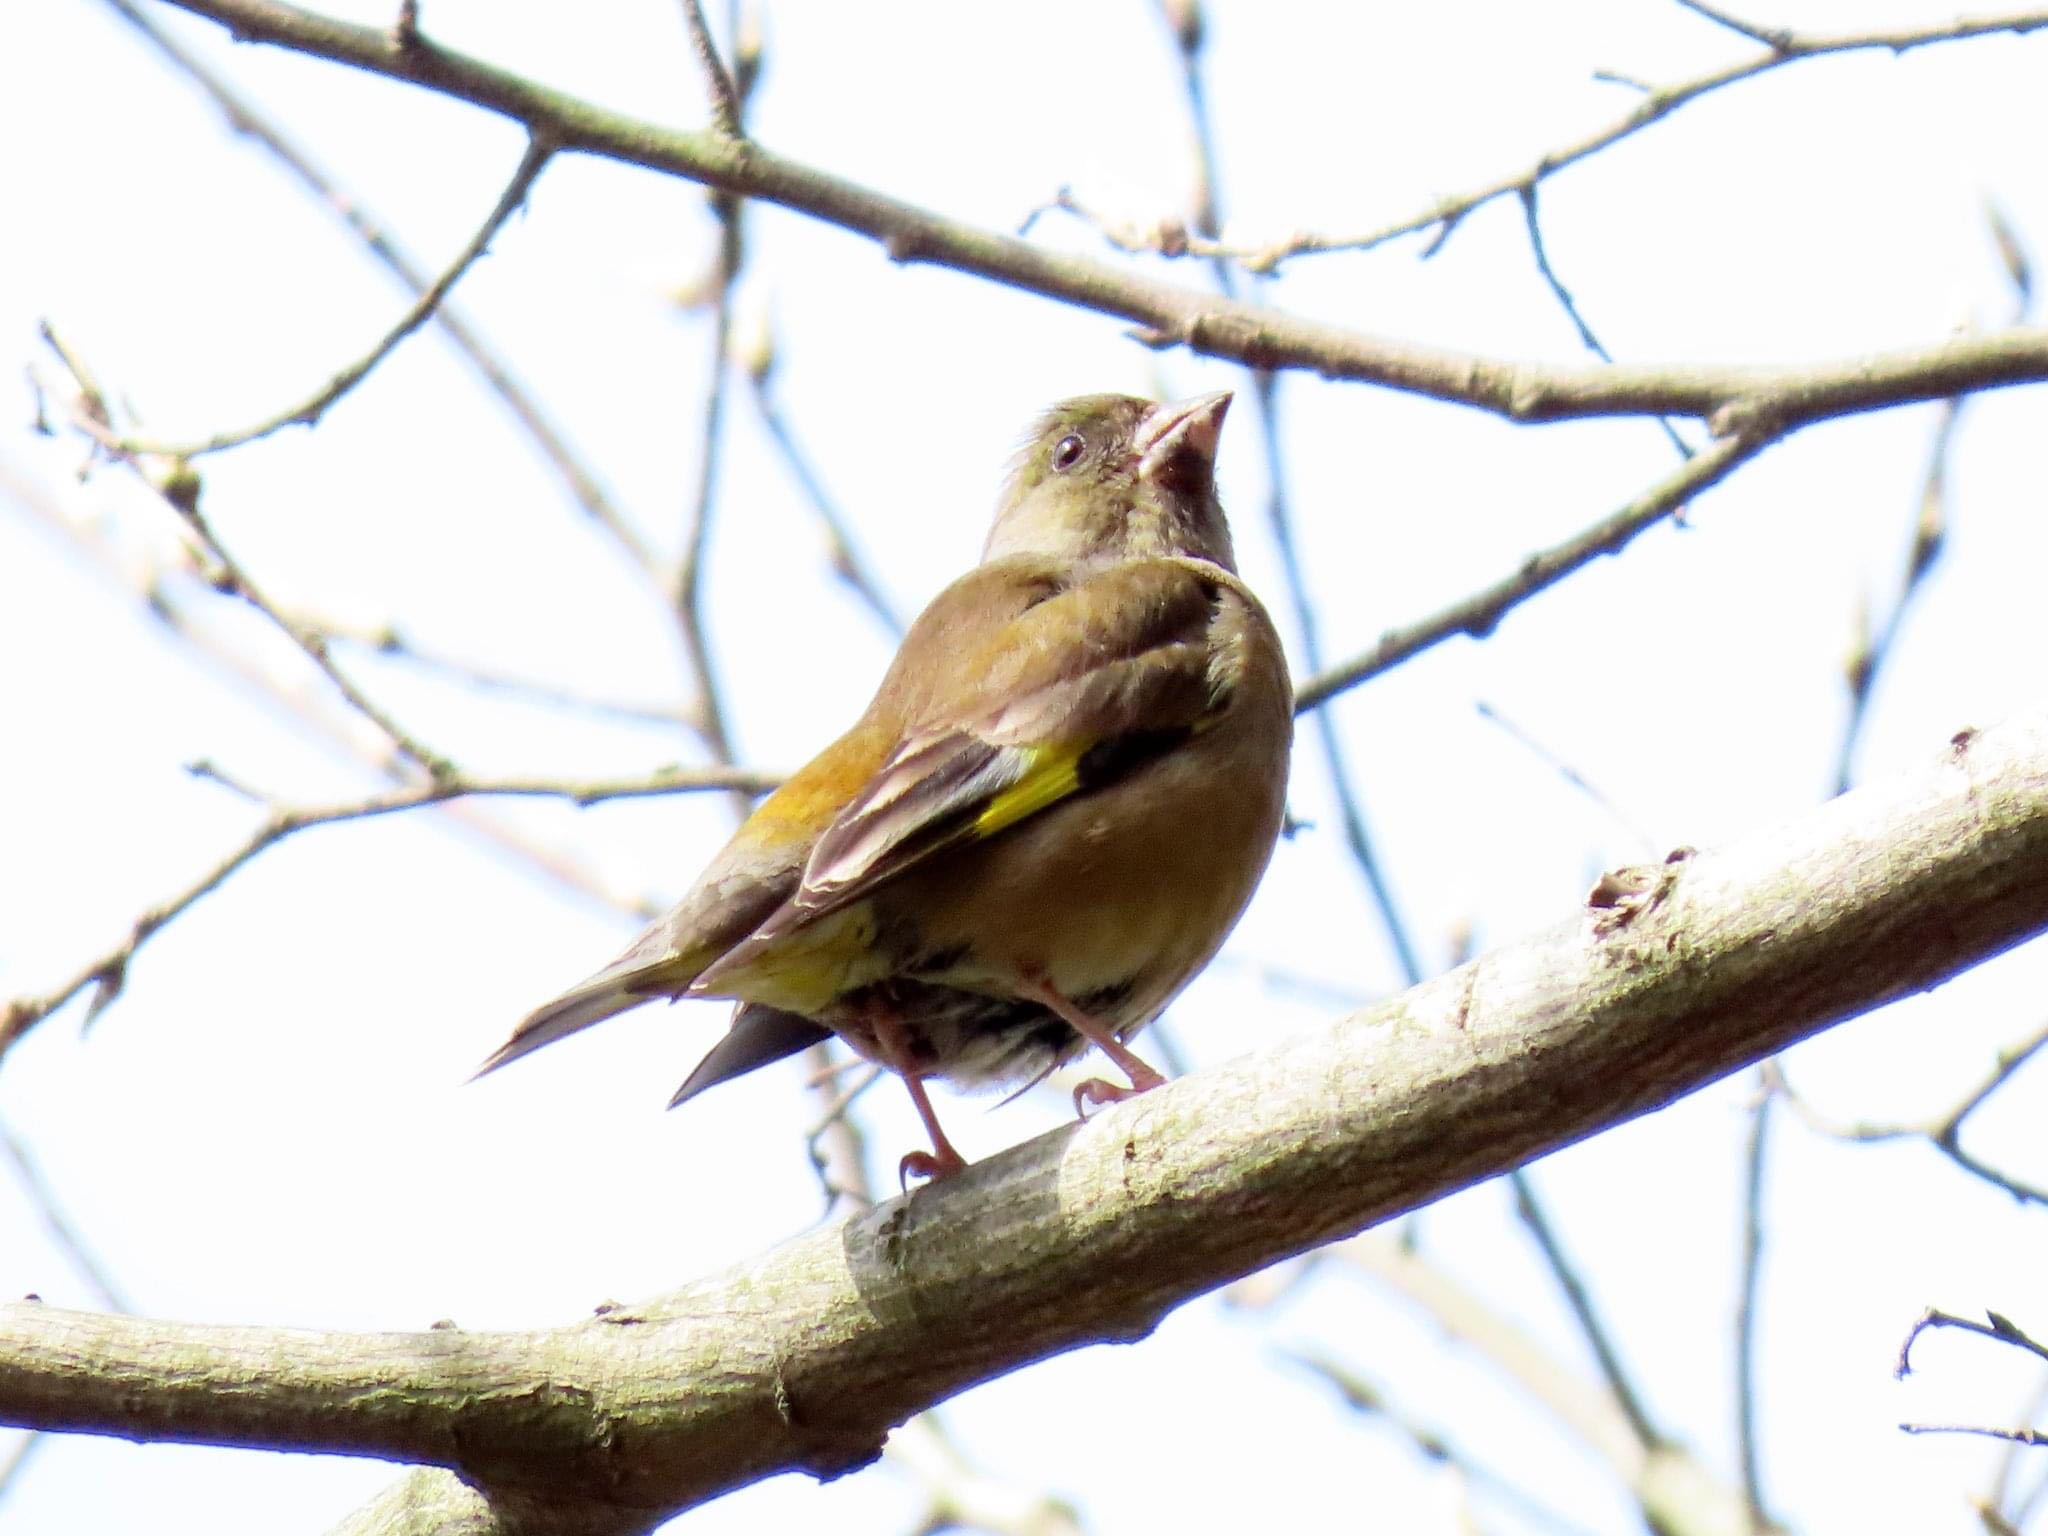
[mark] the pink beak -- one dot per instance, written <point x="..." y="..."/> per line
<point x="1178" y="426"/>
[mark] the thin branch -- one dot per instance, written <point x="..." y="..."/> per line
<point x="1944" y="1131"/>
<point x="106" y="974"/>
<point x="1646" y="845"/>
<point x="962" y="1497"/>
<point x="58" y="1223"/>
<point x="18" y="1458"/>
<point x="2000" y="1495"/>
<point x="686" y="593"/>
<point x="1540" y="252"/>
<point x="838" y="1150"/>
<point x="1732" y="400"/>
<point x="1781" y="48"/>
<point x="179" y="489"/>
<point x="309" y="411"/>
<point x="1678" y="1496"/>
<point x="1477" y="614"/>
<point x="578" y="477"/>
<point x="1532" y="1214"/>
<point x="1777" y="39"/>
<point x="725" y="100"/>
<point x="707" y="711"/>
<point x="835" y="1144"/>
<point x="1366" y="1399"/>
<point x="390" y="641"/>
<point x="162" y="600"/>
<point x="43" y="1199"/>
<point x="841" y="550"/>
<point x="1748" y="1302"/>
<point x="2033" y="1501"/>
<point x="1868" y="656"/>
<point x="1996" y="1327"/>
<point x="1185" y="23"/>
<point x="2017" y="1436"/>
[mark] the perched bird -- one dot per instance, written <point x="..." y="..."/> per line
<point x="1051" y="814"/>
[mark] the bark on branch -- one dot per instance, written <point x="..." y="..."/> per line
<point x="1673" y="975"/>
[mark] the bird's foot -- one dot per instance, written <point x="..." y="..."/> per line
<point x="928" y="1166"/>
<point x="1097" y="1090"/>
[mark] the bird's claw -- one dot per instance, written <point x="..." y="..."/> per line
<point x="929" y="1166"/>
<point x="1097" y="1090"/>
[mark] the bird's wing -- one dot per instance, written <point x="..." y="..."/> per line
<point x="748" y="881"/>
<point x="1070" y="694"/>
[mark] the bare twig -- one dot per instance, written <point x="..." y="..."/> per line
<point x="72" y="1244"/>
<point x="1365" y="1398"/>
<point x="725" y="99"/>
<point x="1658" y="102"/>
<point x="836" y="1147"/>
<point x="2017" y="1436"/>
<point x="687" y="591"/>
<point x="1646" y="846"/>
<point x="62" y="1229"/>
<point x="1748" y="1300"/>
<point x="390" y="641"/>
<point x="841" y="550"/>
<point x="1477" y="614"/>
<point x="105" y="974"/>
<point x="1675" y="1492"/>
<point x="1995" y="1326"/>
<point x="1540" y="251"/>
<point x="162" y="599"/>
<point x="17" y="1458"/>
<point x="1774" y="38"/>
<point x="962" y="1497"/>
<point x="579" y="477"/>
<point x="1734" y="401"/>
<point x="2025" y="1508"/>
<point x="1626" y="1398"/>
<point x="1868" y="655"/>
<point x="1944" y="1132"/>
<point x="1184" y="21"/>
<point x="179" y="489"/>
<point x="2000" y="1495"/>
<point x="308" y="412"/>
<point x="1533" y="224"/>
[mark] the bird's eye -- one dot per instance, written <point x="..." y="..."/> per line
<point x="1066" y="453"/>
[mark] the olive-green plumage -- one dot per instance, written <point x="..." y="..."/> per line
<point x="1051" y="814"/>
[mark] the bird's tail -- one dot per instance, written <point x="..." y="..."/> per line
<point x="650" y="969"/>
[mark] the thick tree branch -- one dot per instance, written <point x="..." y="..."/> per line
<point x="1675" y="975"/>
<point x="1729" y="399"/>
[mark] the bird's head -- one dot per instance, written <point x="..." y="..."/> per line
<point x="1110" y="477"/>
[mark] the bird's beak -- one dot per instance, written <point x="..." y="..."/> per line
<point x="1176" y="427"/>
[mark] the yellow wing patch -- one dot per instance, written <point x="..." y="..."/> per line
<point x="1052" y="773"/>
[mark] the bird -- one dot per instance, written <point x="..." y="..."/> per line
<point x="1053" y="811"/>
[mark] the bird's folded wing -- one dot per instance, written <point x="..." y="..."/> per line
<point x="1069" y="695"/>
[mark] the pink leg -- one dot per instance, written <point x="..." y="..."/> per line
<point x="1097" y="1090"/>
<point x="943" y="1159"/>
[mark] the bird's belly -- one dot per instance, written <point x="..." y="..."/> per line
<point x="1114" y="915"/>
<point x="974" y="1039"/>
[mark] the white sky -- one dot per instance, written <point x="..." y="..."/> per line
<point x="268" y="1127"/>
